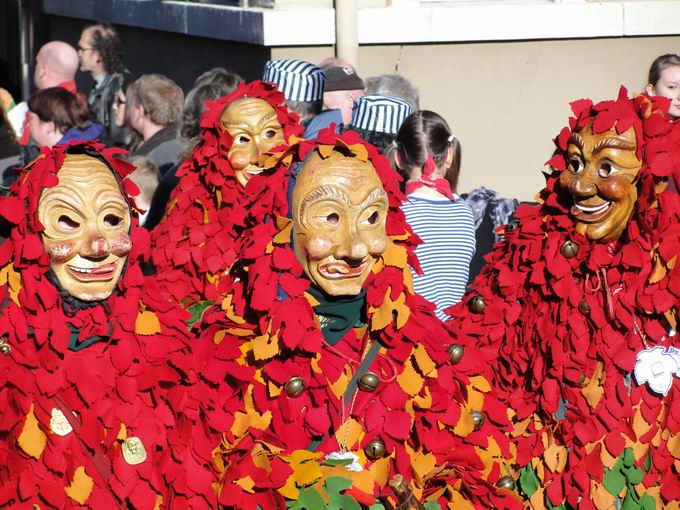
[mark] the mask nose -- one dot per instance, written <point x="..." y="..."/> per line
<point x="353" y="247"/>
<point x="96" y="247"/>
<point x="582" y="187"/>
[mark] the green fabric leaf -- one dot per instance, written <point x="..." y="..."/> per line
<point x="634" y="475"/>
<point x="613" y="480"/>
<point x="628" y="457"/>
<point x="337" y="462"/>
<point x="196" y="310"/>
<point x="337" y="501"/>
<point x="378" y="506"/>
<point x="432" y="505"/>
<point x="629" y="503"/>
<point x="309" y="499"/>
<point x="647" y="502"/>
<point x="648" y="461"/>
<point x="528" y="481"/>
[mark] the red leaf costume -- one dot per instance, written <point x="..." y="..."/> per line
<point x="269" y="345"/>
<point x="194" y="243"/>
<point x="562" y="330"/>
<point x="130" y="389"/>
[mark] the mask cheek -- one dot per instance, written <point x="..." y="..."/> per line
<point x="60" y="252"/>
<point x="377" y="245"/>
<point x="318" y="246"/>
<point x="615" y="189"/>
<point x="121" y="245"/>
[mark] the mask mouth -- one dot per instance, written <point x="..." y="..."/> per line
<point x="101" y="272"/>
<point x="591" y="211"/>
<point x="341" y="269"/>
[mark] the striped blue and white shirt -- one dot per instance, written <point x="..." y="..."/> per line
<point x="448" y="233"/>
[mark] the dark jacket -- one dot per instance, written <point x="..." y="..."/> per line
<point x="101" y="104"/>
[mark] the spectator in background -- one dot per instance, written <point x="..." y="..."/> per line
<point x="378" y="119"/>
<point x="101" y="54"/>
<point x="146" y="176"/>
<point x="394" y="85"/>
<point x="302" y="84"/>
<point x="9" y="148"/>
<point x="664" y="80"/>
<point x="428" y="156"/>
<point x="343" y="86"/>
<point x="57" y="116"/>
<point x="56" y="65"/>
<point x="204" y="90"/>
<point x="154" y="103"/>
<point x="119" y="108"/>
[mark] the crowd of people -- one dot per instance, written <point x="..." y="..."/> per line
<point x="274" y="296"/>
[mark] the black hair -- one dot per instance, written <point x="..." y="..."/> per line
<point x="382" y="141"/>
<point x="106" y="41"/>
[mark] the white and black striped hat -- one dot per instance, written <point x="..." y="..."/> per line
<point x="382" y="114"/>
<point x="297" y="79"/>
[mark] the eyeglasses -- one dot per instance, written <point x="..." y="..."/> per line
<point x="119" y="101"/>
<point x="83" y="50"/>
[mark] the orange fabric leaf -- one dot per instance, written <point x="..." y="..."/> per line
<point x="81" y="486"/>
<point x="409" y="379"/>
<point x="147" y="323"/>
<point x="556" y="458"/>
<point x="32" y="439"/>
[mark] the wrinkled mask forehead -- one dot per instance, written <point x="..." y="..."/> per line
<point x="86" y="223"/>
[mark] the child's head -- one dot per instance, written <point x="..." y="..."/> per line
<point x="422" y="133"/>
<point x="664" y="80"/>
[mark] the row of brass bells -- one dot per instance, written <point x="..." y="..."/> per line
<point x="294" y="387"/>
<point x="478" y="419"/>
<point x="456" y="352"/>
<point x="375" y="449"/>
<point x="368" y="382"/>
<point x="506" y="482"/>
<point x="569" y="249"/>
<point x="477" y="304"/>
<point x="5" y="348"/>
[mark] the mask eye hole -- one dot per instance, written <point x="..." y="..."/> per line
<point x="241" y="139"/>
<point x="575" y="166"/>
<point x="606" y="169"/>
<point x="373" y="218"/>
<point x="333" y="218"/>
<point x="67" y="223"/>
<point x="269" y="134"/>
<point x="112" y="220"/>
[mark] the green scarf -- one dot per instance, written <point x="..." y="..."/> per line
<point x="338" y="314"/>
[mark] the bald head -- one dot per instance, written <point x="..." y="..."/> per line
<point x="55" y="63"/>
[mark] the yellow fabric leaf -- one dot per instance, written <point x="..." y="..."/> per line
<point x="659" y="270"/>
<point x="480" y="383"/>
<point x="286" y="226"/>
<point x="147" y="323"/>
<point x="251" y="418"/>
<point x="593" y="391"/>
<point x="122" y="433"/>
<point x="670" y="316"/>
<point x="228" y="308"/>
<point x="246" y="483"/>
<point x="537" y="501"/>
<point x="260" y="457"/>
<point x="265" y="346"/>
<point x="338" y="387"/>
<point x="488" y="456"/>
<point x="9" y="277"/>
<point x="608" y="460"/>
<point x="673" y="445"/>
<point x="600" y="496"/>
<point x="380" y="471"/>
<point x="458" y="502"/>
<point x="465" y="425"/>
<point x="32" y="439"/>
<point x="384" y="314"/>
<point x="325" y="150"/>
<point x="273" y="389"/>
<point x="395" y="255"/>
<point x="218" y="198"/>
<point x="306" y="471"/>
<point x="349" y="433"/>
<point x="423" y="401"/>
<point x="410" y="380"/>
<point x="555" y="458"/>
<point x="475" y="401"/>
<point x="81" y="486"/>
<point x="359" y="151"/>
<point x="233" y="331"/>
<point x="423" y="463"/>
<point x="159" y="502"/>
<point x="427" y="367"/>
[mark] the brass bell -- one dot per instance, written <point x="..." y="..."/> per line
<point x="294" y="387"/>
<point x="375" y="449"/>
<point x="584" y="307"/>
<point x="368" y="382"/>
<point x="512" y="226"/>
<point x="478" y="419"/>
<point x="456" y="352"/>
<point x="581" y="380"/>
<point x="477" y="304"/>
<point x="6" y="349"/>
<point x="506" y="482"/>
<point x="569" y="249"/>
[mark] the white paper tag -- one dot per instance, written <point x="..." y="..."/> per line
<point x="656" y="368"/>
<point x="355" y="465"/>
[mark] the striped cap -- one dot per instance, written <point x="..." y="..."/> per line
<point x="297" y="79"/>
<point x="382" y="114"/>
